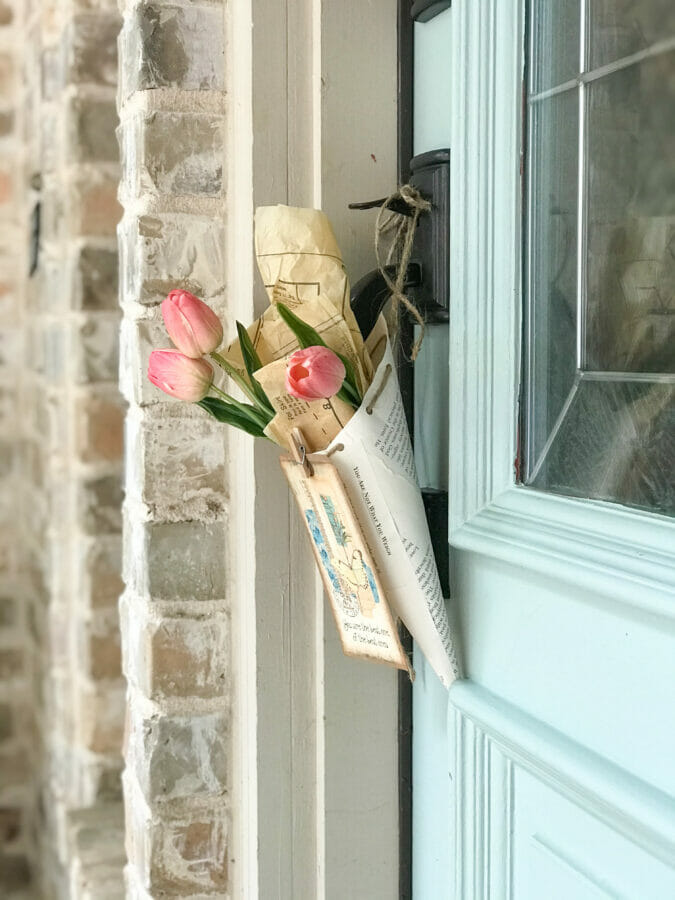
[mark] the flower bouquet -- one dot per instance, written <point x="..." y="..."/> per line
<point x="311" y="383"/>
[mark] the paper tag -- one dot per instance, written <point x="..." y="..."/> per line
<point x="362" y="615"/>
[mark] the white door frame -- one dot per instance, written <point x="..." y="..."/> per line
<point x="313" y="123"/>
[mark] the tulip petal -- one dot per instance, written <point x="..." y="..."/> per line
<point x="192" y="325"/>
<point x="313" y="373"/>
<point x="180" y="376"/>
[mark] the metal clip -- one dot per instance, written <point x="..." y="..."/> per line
<point x="299" y="451"/>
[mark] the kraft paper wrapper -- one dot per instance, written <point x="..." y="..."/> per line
<point x="374" y="457"/>
<point x="300" y="261"/>
<point x="319" y="420"/>
<point x="301" y="266"/>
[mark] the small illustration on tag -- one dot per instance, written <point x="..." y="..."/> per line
<point x="365" y="624"/>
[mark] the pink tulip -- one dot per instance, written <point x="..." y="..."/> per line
<point x="179" y="375"/>
<point x="314" y="373"/>
<point x="192" y="325"/>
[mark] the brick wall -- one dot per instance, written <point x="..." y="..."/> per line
<point x="61" y="690"/>
<point x="66" y="473"/>
<point x="82" y="721"/>
<point x="174" y="611"/>
<point x="15" y="715"/>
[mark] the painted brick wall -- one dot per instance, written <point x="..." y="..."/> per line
<point x="79" y="320"/>
<point x="62" y="695"/>
<point x="15" y="707"/>
<point x="67" y="418"/>
<point x="174" y="611"/>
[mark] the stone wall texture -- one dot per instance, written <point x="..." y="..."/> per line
<point x="61" y="688"/>
<point x="16" y="717"/>
<point x="78" y="659"/>
<point x="174" y="610"/>
<point x="109" y="554"/>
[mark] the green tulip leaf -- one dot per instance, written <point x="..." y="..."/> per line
<point x="252" y="363"/>
<point x="248" y="351"/>
<point x="233" y="415"/>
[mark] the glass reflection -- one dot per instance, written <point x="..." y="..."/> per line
<point x="631" y="219"/>
<point x="617" y="443"/>
<point x="555" y="44"/>
<point x="599" y="346"/>
<point x="620" y="28"/>
<point x="553" y="323"/>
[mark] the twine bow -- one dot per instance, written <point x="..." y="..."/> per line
<point x="403" y="227"/>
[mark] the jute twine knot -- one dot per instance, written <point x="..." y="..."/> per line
<point x="400" y="248"/>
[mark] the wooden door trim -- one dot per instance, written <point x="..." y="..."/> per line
<point x="492" y="737"/>
<point x="315" y="811"/>
<point x="624" y="555"/>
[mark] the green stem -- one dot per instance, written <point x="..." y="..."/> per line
<point x="254" y="414"/>
<point x="236" y="377"/>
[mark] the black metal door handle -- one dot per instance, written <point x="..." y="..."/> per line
<point x="424" y="10"/>
<point x="370" y="294"/>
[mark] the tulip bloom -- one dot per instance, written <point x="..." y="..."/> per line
<point x="314" y="373"/>
<point x="192" y="325"/>
<point x="179" y="375"/>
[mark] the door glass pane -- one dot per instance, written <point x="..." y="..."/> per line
<point x="554" y="127"/>
<point x="598" y="417"/>
<point x="617" y="441"/>
<point x="555" y="44"/>
<point x="620" y="28"/>
<point x="631" y="218"/>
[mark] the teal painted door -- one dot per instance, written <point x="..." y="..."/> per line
<point x="550" y="771"/>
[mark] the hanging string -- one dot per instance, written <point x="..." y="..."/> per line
<point x="400" y="248"/>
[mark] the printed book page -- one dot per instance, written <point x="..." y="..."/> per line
<point x="373" y="454"/>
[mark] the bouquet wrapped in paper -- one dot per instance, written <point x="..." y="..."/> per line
<point x="316" y="387"/>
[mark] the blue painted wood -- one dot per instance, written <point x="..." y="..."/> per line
<point x="432" y="866"/>
<point x="559" y="748"/>
<point x="432" y="87"/>
<point x="432" y="785"/>
<point x="545" y="813"/>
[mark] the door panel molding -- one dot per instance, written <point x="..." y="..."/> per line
<point x="494" y="744"/>
<point x="484" y="271"/>
<point x="533" y="808"/>
<point x="482" y="777"/>
<point x="621" y="554"/>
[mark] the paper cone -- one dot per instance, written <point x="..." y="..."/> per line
<point x="374" y="457"/>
